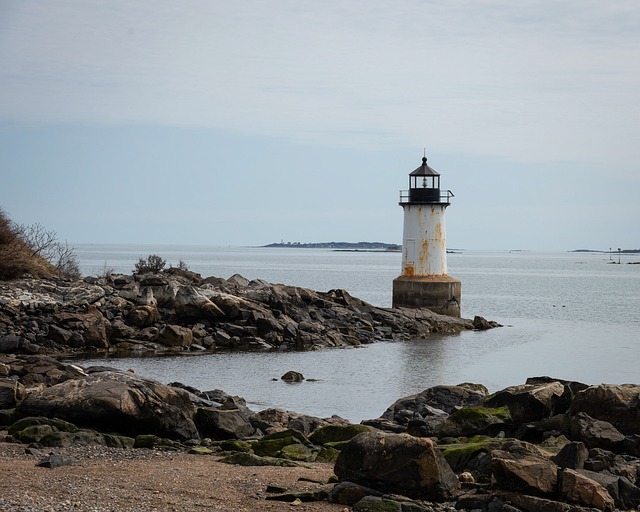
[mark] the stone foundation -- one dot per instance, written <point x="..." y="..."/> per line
<point x="440" y="294"/>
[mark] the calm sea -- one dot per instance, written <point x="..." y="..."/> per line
<point x="566" y="315"/>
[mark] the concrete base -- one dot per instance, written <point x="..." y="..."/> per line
<point x="440" y="294"/>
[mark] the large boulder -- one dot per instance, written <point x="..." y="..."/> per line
<point x="11" y="392"/>
<point x="116" y="401"/>
<point x="617" y="404"/>
<point x="144" y="315"/>
<point x="38" y="370"/>
<point x="397" y="463"/>
<point x="572" y="455"/>
<point x="522" y="467"/>
<point x="191" y="304"/>
<point x="224" y="423"/>
<point x="92" y="326"/>
<point x="529" y="402"/>
<point x="231" y="305"/>
<point x="273" y="420"/>
<point x="578" y="488"/>
<point x="472" y="421"/>
<point x="596" y="433"/>
<point x="435" y="401"/>
<point x="175" y="336"/>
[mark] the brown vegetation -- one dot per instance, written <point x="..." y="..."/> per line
<point x="33" y="250"/>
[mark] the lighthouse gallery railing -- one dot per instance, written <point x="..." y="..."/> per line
<point x="445" y="196"/>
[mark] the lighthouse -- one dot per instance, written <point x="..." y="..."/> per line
<point x="424" y="282"/>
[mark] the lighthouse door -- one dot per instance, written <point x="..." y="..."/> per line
<point x="409" y="262"/>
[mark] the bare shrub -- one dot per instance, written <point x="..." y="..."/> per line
<point x="107" y="271"/>
<point x="33" y="250"/>
<point x="65" y="260"/>
<point x="182" y="265"/>
<point x="153" y="263"/>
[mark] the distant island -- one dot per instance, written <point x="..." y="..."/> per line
<point x="612" y="251"/>
<point x="349" y="246"/>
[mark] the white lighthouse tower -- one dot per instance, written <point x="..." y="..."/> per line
<point x="424" y="282"/>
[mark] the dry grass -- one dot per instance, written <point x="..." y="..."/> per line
<point x="17" y="256"/>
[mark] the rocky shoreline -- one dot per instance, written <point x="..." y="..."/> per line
<point x="546" y="445"/>
<point x="180" y="311"/>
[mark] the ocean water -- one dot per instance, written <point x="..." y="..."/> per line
<point x="567" y="315"/>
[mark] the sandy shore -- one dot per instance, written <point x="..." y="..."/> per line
<point x="105" y="479"/>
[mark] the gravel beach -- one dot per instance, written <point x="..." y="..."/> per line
<point x="110" y="480"/>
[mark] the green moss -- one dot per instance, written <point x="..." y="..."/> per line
<point x="155" y="442"/>
<point x="337" y="433"/>
<point x="297" y="452"/>
<point x="473" y="414"/>
<point x="57" y="424"/>
<point x="271" y="447"/>
<point x="33" y="433"/>
<point x="339" y="445"/>
<point x="116" y="441"/>
<point x="200" y="450"/>
<point x="327" y="454"/>
<point x="458" y="455"/>
<point x="373" y="504"/>
<point x="234" y="445"/>
<point x="286" y="434"/>
<point x="249" y="459"/>
<point x="472" y="421"/>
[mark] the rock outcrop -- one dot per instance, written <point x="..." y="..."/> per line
<point x="181" y="311"/>
<point x="448" y="446"/>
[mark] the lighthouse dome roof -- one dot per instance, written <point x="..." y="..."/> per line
<point x="424" y="170"/>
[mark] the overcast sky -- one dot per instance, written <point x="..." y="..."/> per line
<point x="249" y="122"/>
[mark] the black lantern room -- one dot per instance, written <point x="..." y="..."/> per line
<point x="424" y="184"/>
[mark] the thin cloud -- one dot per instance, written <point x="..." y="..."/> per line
<point x="527" y="81"/>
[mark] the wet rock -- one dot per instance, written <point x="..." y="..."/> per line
<point x="292" y="376"/>
<point x="482" y="324"/>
